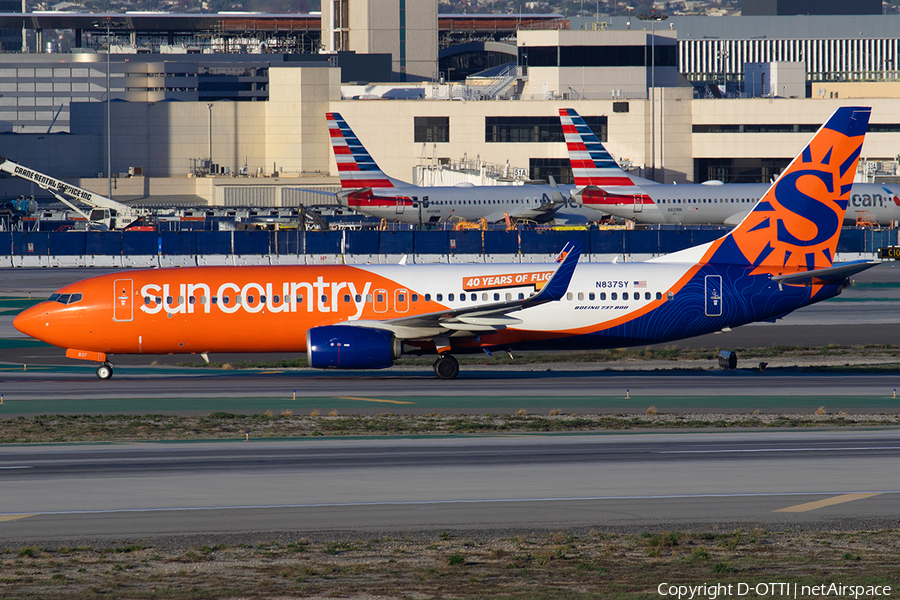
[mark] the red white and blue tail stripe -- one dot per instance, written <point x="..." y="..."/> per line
<point x="356" y="168"/>
<point x="591" y="163"/>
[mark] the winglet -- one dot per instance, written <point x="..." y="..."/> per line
<point x="558" y="284"/>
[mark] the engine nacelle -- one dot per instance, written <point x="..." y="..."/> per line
<point x="349" y="347"/>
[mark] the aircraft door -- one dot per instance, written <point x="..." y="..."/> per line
<point x="638" y="203"/>
<point x="401" y="300"/>
<point x="713" y="287"/>
<point x="123" y="300"/>
<point x="381" y="300"/>
<point x="400" y="207"/>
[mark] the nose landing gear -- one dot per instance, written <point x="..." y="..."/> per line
<point x="105" y="371"/>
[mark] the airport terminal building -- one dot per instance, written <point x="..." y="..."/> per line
<point x="249" y="128"/>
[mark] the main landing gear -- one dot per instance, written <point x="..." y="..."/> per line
<point x="105" y="371"/>
<point x="446" y="367"/>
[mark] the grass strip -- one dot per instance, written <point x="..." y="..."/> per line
<point x="564" y="565"/>
<point x="270" y="425"/>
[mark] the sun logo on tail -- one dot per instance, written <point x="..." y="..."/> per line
<point x="796" y="224"/>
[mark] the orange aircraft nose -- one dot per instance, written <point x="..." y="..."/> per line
<point x="33" y="321"/>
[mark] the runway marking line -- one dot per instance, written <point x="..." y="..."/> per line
<point x="373" y="400"/>
<point x="826" y="502"/>
<point x="13" y="517"/>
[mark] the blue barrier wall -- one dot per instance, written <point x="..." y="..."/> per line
<point x="324" y="242"/>
<point x="432" y="242"/>
<point x="107" y="243"/>
<point x="31" y="243"/>
<point x="538" y="242"/>
<point x="246" y="242"/>
<point x="465" y="242"/>
<point x="69" y="243"/>
<point x="360" y="242"/>
<point x="140" y="243"/>
<point x="178" y="242"/>
<point x="607" y="242"/>
<point x="396" y="242"/>
<point x="286" y="242"/>
<point x="645" y="241"/>
<point x="501" y="242"/>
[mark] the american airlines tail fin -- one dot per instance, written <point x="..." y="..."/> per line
<point x="795" y="226"/>
<point x="357" y="169"/>
<point x="591" y="164"/>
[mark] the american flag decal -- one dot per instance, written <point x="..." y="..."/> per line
<point x="640" y="284"/>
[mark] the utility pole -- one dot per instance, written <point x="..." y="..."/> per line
<point x="209" y="105"/>
<point x="653" y="17"/>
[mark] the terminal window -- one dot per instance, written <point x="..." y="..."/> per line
<point x="432" y="129"/>
<point x="535" y="129"/>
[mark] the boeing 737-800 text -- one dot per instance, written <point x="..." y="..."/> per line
<point x="778" y="259"/>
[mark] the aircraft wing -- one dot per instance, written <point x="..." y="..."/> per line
<point x="480" y="318"/>
<point x="829" y="275"/>
<point x="542" y="213"/>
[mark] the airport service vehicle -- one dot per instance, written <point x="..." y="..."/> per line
<point x="105" y="213"/>
<point x="778" y="259"/>
<point x="366" y="189"/>
<point x="602" y="185"/>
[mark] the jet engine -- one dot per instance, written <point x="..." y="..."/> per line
<point x="349" y="347"/>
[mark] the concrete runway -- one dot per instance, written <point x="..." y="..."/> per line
<point x="186" y="391"/>
<point x="840" y="479"/>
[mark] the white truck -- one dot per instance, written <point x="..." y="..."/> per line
<point x="104" y="213"/>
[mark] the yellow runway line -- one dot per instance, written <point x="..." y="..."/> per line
<point x="826" y="502"/>
<point x="373" y="400"/>
<point x="13" y="517"/>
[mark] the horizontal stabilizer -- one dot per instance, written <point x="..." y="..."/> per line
<point x="831" y="275"/>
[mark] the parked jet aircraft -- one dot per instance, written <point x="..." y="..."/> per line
<point x="603" y="185"/>
<point x="778" y="259"/>
<point x="369" y="191"/>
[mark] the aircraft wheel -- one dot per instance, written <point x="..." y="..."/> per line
<point x="104" y="371"/>
<point x="446" y="367"/>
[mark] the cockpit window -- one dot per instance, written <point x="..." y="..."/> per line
<point x="65" y="298"/>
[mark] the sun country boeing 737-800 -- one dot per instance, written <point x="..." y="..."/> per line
<point x="368" y="190"/>
<point x="602" y="185"/>
<point x="778" y="259"/>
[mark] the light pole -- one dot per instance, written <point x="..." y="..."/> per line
<point x="209" y="106"/>
<point x="108" y="117"/>
<point x="653" y="18"/>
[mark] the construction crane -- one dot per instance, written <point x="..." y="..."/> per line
<point x="104" y="212"/>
